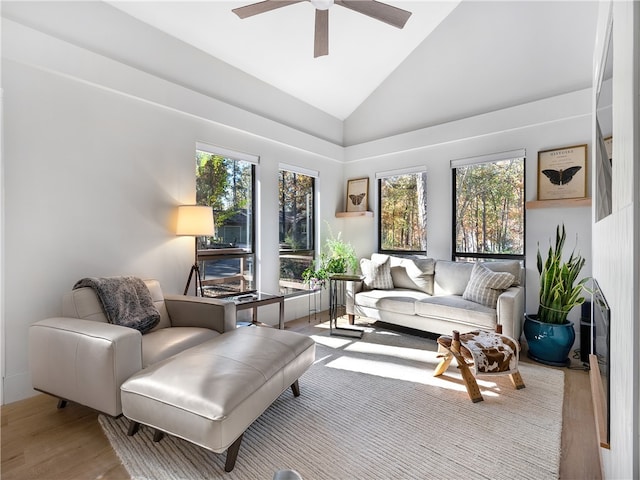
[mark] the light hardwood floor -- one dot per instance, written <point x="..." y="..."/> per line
<point x="40" y="441"/>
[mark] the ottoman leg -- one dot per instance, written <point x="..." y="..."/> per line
<point x="295" y="388"/>
<point x="517" y="381"/>
<point x="133" y="428"/>
<point x="158" y="435"/>
<point x="232" y="454"/>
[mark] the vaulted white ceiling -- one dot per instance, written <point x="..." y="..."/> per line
<point x="453" y="59"/>
<point x="277" y="46"/>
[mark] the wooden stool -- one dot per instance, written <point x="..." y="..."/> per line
<point x="479" y="353"/>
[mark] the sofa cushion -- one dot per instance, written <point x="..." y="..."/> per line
<point x="451" y="278"/>
<point x="485" y="286"/>
<point x="456" y="309"/>
<point x="511" y="266"/>
<point x="396" y="300"/>
<point x="377" y="275"/>
<point x="413" y="273"/>
<point x="166" y="342"/>
<point x="158" y="300"/>
<point x="83" y="303"/>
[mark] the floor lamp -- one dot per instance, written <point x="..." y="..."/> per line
<point x="196" y="221"/>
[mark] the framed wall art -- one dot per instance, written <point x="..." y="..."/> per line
<point x="357" y="195"/>
<point x="562" y="173"/>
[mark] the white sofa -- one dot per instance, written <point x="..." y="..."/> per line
<point x="439" y="296"/>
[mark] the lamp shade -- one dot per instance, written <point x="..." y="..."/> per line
<point x="195" y="220"/>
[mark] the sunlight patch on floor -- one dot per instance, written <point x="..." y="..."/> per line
<point x="393" y="371"/>
<point x="450" y="380"/>
<point x="422" y="374"/>
<point x="425" y="356"/>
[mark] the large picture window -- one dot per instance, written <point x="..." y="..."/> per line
<point x="488" y="206"/>
<point x="225" y="181"/>
<point x="296" y="227"/>
<point x="402" y="219"/>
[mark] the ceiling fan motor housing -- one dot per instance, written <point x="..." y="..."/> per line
<point x="322" y="4"/>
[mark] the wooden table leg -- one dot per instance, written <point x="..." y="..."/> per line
<point x="517" y="381"/>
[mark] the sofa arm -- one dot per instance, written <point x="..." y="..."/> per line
<point x="510" y="311"/>
<point x="83" y="361"/>
<point x="350" y="296"/>
<point x="213" y="313"/>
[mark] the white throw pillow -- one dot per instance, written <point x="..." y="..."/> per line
<point x="485" y="286"/>
<point x="376" y="275"/>
<point x="413" y="273"/>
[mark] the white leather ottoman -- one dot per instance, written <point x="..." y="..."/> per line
<point x="211" y="393"/>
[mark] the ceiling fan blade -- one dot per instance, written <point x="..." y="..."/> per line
<point x="389" y="14"/>
<point x="262" y="7"/>
<point x="321" y="40"/>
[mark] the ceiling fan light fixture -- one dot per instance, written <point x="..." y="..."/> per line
<point x="322" y="4"/>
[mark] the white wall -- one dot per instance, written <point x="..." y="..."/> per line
<point x="2" y="332"/>
<point x="552" y="123"/>
<point x="616" y="240"/>
<point x="97" y="157"/>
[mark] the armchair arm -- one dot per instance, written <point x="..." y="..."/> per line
<point x="212" y="313"/>
<point x="510" y="311"/>
<point x="83" y="361"/>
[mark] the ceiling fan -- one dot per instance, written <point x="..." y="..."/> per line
<point x="389" y="14"/>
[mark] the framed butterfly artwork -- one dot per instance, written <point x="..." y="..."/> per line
<point x="358" y="195"/>
<point x="562" y="173"/>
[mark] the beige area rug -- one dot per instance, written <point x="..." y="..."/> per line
<point x="371" y="409"/>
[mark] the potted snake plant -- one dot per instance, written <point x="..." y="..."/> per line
<point x="550" y="335"/>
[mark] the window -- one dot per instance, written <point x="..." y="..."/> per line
<point x="296" y="227"/>
<point x="402" y="219"/>
<point x="226" y="181"/>
<point x="488" y="207"/>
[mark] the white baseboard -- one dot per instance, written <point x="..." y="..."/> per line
<point x="17" y="387"/>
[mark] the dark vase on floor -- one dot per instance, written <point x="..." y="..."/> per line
<point x="549" y="343"/>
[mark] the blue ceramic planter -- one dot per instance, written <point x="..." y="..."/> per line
<point x="549" y="343"/>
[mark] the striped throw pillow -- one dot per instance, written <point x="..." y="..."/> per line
<point x="485" y="286"/>
<point x="377" y="275"/>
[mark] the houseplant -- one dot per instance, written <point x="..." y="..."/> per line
<point x="549" y="334"/>
<point x="338" y="257"/>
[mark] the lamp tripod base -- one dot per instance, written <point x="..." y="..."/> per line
<point x="195" y="269"/>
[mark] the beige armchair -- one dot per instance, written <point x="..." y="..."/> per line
<point x="80" y="357"/>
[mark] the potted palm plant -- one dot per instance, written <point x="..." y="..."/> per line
<point x="550" y="335"/>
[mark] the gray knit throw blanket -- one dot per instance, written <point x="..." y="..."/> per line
<point x="126" y="301"/>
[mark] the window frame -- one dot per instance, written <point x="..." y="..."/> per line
<point x="380" y="176"/>
<point x="314" y="252"/>
<point x="244" y="255"/>
<point x="487" y="159"/>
